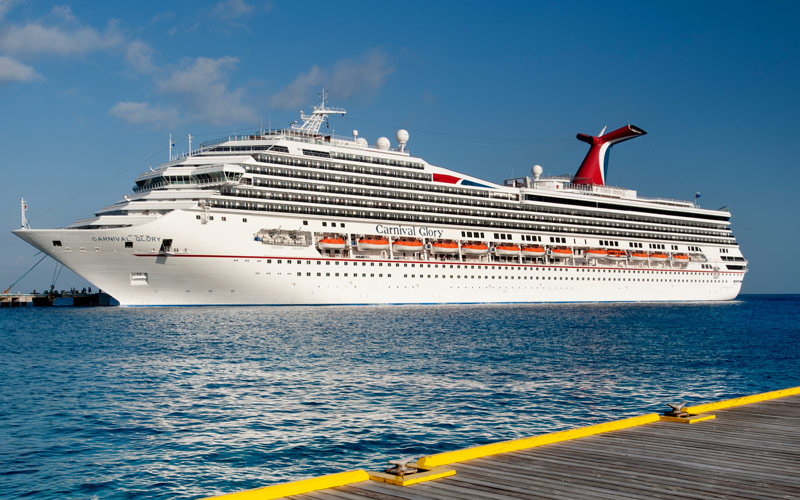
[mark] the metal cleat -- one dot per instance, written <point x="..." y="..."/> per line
<point x="401" y="467"/>
<point x="676" y="410"/>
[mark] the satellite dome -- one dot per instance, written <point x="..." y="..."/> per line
<point x="362" y="142"/>
<point x="402" y="138"/>
<point x="537" y="171"/>
<point x="355" y="133"/>
<point x="383" y="143"/>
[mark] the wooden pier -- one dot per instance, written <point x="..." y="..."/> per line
<point x="750" y="448"/>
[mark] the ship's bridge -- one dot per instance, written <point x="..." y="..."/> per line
<point x="190" y="176"/>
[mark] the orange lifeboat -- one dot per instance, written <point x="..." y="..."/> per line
<point x="659" y="257"/>
<point x="331" y="243"/>
<point x="680" y="258"/>
<point x="617" y="254"/>
<point x="639" y="256"/>
<point x="533" y="251"/>
<point x="474" y="249"/>
<point x="506" y="250"/>
<point x="373" y="243"/>
<point x="595" y="253"/>
<point x="560" y="253"/>
<point x="447" y="247"/>
<point x="407" y="246"/>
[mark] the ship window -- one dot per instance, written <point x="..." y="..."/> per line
<point x="128" y="244"/>
<point x="305" y="222"/>
<point x="197" y="217"/>
<point x="56" y="243"/>
<point x="244" y="219"/>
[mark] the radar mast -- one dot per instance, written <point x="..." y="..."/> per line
<point x="312" y="123"/>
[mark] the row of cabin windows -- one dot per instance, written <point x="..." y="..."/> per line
<point x="529" y="237"/>
<point x="416" y="218"/>
<point x="616" y="206"/>
<point x="406" y="207"/>
<point x="223" y="218"/>
<point x="462" y="191"/>
<point x="275" y="171"/>
<point x="341" y="167"/>
<point x="458" y="276"/>
<point x="608" y="243"/>
<point x="515" y="268"/>
<point x="557" y="239"/>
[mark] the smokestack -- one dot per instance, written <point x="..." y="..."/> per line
<point x="594" y="168"/>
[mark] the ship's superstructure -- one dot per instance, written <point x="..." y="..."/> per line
<point x="297" y="217"/>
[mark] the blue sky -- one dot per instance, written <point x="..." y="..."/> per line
<point x="90" y="91"/>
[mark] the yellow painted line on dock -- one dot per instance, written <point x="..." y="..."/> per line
<point x="450" y="457"/>
<point x="729" y="403"/>
<point x="299" y="487"/>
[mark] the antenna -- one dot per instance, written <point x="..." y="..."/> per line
<point x="24" y="220"/>
<point x="170" y="147"/>
<point x="190" y="145"/>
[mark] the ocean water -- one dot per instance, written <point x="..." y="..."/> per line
<point x="191" y="402"/>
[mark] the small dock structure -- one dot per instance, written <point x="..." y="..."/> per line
<point x="59" y="299"/>
<point x="746" y="447"/>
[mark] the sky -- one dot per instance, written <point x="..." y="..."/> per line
<point x="91" y="91"/>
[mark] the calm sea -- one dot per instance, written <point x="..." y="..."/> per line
<point x="190" y="402"/>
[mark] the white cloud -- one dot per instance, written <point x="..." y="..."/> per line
<point x="14" y="71"/>
<point x="142" y="112"/>
<point x="201" y="86"/>
<point x="232" y="9"/>
<point x="300" y="90"/>
<point x="37" y="39"/>
<point x="5" y="6"/>
<point x="363" y="75"/>
<point x="139" y="56"/>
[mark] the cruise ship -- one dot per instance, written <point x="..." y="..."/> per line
<point x="298" y="217"/>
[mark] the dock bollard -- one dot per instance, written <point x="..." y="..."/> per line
<point x="401" y="467"/>
<point x="676" y="410"/>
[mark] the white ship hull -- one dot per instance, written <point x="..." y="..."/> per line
<point x="216" y="262"/>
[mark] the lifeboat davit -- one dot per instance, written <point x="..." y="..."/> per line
<point x="331" y="243"/>
<point x="595" y="253"/>
<point x="474" y="249"/>
<point x="447" y="247"/>
<point x="639" y="256"/>
<point x="680" y="258"/>
<point x="617" y="255"/>
<point x="506" y="250"/>
<point x="407" y="246"/>
<point x="373" y="243"/>
<point x="561" y="253"/>
<point x="534" y="251"/>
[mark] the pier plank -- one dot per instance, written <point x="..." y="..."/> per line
<point x="747" y="452"/>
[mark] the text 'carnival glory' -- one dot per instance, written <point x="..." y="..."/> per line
<point x="297" y="217"/>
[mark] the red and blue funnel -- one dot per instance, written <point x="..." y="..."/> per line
<point x="594" y="168"/>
